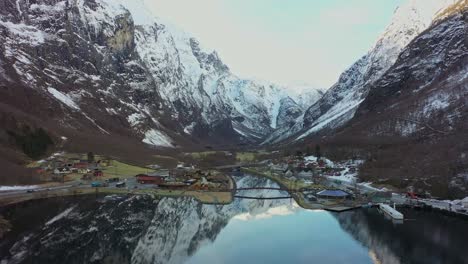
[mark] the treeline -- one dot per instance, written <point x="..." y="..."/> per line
<point x="309" y="150"/>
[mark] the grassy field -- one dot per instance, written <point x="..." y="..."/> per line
<point x="246" y="156"/>
<point x="123" y="170"/>
<point x="201" y="155"/>
<point x="252" y="156"/>
<point x="165" y="161"/>
<point x="115" y="169"/>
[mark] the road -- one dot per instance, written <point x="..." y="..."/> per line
<point x="77" y="185"/>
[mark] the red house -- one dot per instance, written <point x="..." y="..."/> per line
<point x="145" y="179"/>
<point x="80" y="165"/>
<point x="98" y="173"/>
<point x="321" y="163"/>
<point x="40" y="171"/>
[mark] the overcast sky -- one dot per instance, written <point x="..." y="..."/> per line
<point x="286" y="41"/>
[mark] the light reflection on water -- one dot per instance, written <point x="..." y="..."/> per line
<point x="288" y="237"/>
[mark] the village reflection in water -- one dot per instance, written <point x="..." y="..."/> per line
<point x="142" y="229"/>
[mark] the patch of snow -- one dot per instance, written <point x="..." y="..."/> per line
<point x="24" y="33"/>
<point x="94" y="122"/>
<point x="18" y="187"/>
<point x="189" y="129"/>
<point x="18" y="7"/>
<point x="337" y="111"/>
<point x="157" y="138"/>
<point x="437" y="102"/>
<point x="134" y="119"/>
<point x="111" y="111"/>
<point x="314" y="158"/>
<point x="65" y="99"/>
<point x="60" y="216"/>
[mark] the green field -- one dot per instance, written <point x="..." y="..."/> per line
<point x="123" y="170"/>
<point x="201" y="155"/>
<point x="246" y="156"/>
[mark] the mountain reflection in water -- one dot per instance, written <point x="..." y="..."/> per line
<point x="427" y="237"/>
<point x="180" y="230"/>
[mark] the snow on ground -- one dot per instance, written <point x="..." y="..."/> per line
<point x="157" y="138"/>
<point x="17" y="187"/>
<point x="313" y="158"/>
<point x="60" y="216"/>
<point x="337" y="111"/>
<point x="189" y="129"/>
<point x="345" y="177"/>
<point x="24" y="33"/>
<point x="65" y="99"/>
<point x="134" y="119"/>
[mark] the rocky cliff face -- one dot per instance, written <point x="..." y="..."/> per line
<point x="112" y="68"/>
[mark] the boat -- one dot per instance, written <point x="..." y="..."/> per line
<point x="390" y="211"/>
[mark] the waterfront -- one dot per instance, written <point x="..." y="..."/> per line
<point x="145" y="229"/>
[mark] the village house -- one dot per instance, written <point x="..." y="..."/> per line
<point x="81" y="165"/>
<point x="147" y="179"/>
<point x="59" y="171"/>
<point x="305" y="175"/>
<point x="98" y="173"/>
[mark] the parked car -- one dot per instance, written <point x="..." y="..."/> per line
<point x="120" y="185"/>
<point x="99" y="184"/>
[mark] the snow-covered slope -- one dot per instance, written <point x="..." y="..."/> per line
<point x="340" y="102"/>
<point x="113" y="66"/>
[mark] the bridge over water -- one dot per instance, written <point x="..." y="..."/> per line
<point x="274" y="188"/>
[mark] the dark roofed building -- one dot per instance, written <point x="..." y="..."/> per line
<point x="333" y="194"/>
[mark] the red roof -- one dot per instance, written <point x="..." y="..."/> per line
<point x="146" y="178"/>
<point x="80" y="165"/>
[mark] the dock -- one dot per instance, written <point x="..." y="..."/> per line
<point x="390" y="211"/>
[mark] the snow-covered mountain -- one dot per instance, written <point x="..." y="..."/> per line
<point x="417" y="109"/>
<point x="340" y="102"/>
<point x="113" y="67"/>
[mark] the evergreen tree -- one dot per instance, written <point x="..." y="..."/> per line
<point x="33" y="143"/>
<point x="318" y="153"/>
<point x="308" y="151"/>
<point x="299" y="153"/>
<point x="90" y="157"/>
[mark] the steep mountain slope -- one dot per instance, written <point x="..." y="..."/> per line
<point x="102" y="67"/>
<point x="414" y="119"/>
<point x="340" y="102"/>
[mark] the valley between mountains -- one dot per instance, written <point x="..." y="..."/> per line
<point x="110" y="77"/>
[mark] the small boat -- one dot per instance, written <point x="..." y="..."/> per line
<point x="390" y="211"/>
